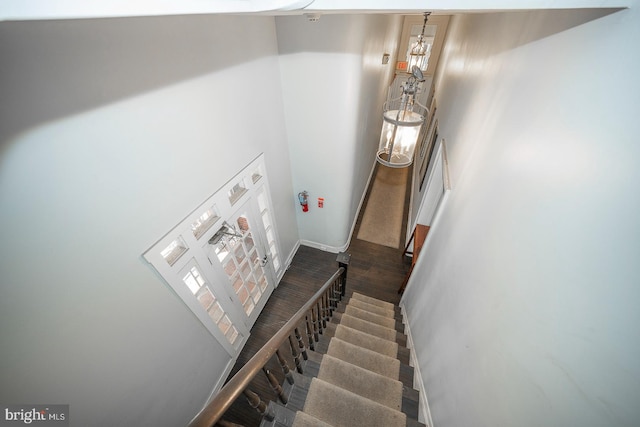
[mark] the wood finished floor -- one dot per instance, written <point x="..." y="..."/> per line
<point x="374" y="270"/>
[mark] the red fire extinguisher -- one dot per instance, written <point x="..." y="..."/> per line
<point x="303" y="197"/>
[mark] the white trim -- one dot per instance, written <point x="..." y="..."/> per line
<point x="289" y="261"/>
<point x="364" y="194"/>
<point x="424" y="413"/>
<point x="323" y="247"/>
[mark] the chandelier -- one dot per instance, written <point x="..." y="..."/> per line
<point x="402" y="121"/>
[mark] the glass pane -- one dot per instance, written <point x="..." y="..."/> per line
<point x="232" y="334"/>
<point x="243" y="223"/>
<point x="243" y="294"/>
<point x="245" y="270"/>
<point x="256" y="293"/>
<point x="236" y="192"/>
<point x="248" y="241"/>
<point x="250" y="284"/>
<point x="262" y="202"/>
<point x="230" y="268"/>
<point x="262" y="282"/>
<point x="174" y="251"/>
<point x="216" y="312"/>
<point x="240" y="254"/>
<point x="222" y="250"/>
<point x="256" y="175"/>
<point x="249" y="306"/>
<point x="204" y="222"/>
<point x="206" y="298"/>
<point x="266" y="220"/>
<point x="191" y="281"/>
<point x="224" y="324"/>
<point x="253" y="256"/>
<point x="237" y="284"/>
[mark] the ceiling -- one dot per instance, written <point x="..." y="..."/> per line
<point x="19" y="10"/>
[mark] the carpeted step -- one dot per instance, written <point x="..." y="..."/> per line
<point x="362" y="382"/>
<point x="341" y="408"/>
<point x="373" y="301"/>
<point x="362" y="339"/>
<point x="364" y="358"/>
<point x="387" y="322"/>
<point x="368" y="327"/>
<point x="305" y="420"/>
<point x="380" y="311"/>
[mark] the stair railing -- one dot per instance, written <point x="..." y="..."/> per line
<point x="313" y="316"/>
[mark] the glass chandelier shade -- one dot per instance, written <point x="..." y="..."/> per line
<point x="418" y="55"/>
<point x="402" y="121"/>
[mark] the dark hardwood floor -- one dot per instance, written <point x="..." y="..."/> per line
<point x="374" y="270"/>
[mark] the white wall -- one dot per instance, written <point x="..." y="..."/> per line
<point x="334" y="85"/>
<point x="524" y="303"/>
<point x="112" y="131"/>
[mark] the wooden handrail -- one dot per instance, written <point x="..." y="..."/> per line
<point x="214" y="410"/>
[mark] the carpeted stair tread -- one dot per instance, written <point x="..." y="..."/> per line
<point x="365" y="358"/>
<point x="368" y="327"/>
<point x="305" y="420"/>
<point x="362" y="339"/>
<point x="387" y="322"/>
<point x="373" y="301"/>
<point x="342" y="408"/>
<point x="380" y="311"/>
<point x="361" y="381"/>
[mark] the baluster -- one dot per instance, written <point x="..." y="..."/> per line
<point x="325" y="312"/>
<point x="296" y="356"/>
<point x="303" y="349"/>
<point x="256" y="403"/>
<point x="275" y="385"/>
<point x="310" y="334"/>
<point x="285" y="368"/>
<point x="321" y="325"/>
<point x="330" y="301"/>
<point x="316" y="329"/>
<point x="333" y="301"/>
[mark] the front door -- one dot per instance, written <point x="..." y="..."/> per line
<point x="223" y="260"/>
<point x="239" y="259"/>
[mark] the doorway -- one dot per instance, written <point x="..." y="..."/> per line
<point x="223" y="260"/>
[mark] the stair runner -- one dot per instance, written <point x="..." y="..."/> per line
<point x="354" y="376"/>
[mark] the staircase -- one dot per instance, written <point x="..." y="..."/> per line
<point x="357" y="375"/>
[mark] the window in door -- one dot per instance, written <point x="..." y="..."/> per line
<point x="198" y="286"/>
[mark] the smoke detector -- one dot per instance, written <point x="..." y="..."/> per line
<point x="312" y="17"/>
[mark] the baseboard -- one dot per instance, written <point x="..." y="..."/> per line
<point x="424" y="413"/>
<point x="289" y="261"/>
<point x="219" y="384"/>
<point x="323" y="247"/>
<point x="362" y="198"/>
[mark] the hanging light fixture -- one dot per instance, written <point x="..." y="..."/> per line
<point x="418" y="55"/>
<point x="402" y="120"/>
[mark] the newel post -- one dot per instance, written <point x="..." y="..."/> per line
<point x="343" y="261"/>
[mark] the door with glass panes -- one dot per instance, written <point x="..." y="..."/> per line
<point x="223" y="259"/>
<point x="240" y="257"/>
